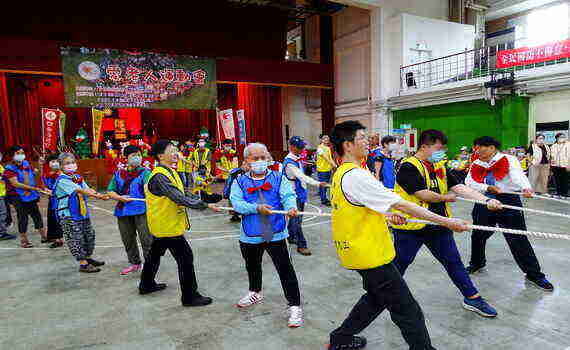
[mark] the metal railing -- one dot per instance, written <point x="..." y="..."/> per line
<point x="471" y="64"/>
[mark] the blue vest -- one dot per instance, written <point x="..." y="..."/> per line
<point x="25" y="195"/>
<point x="135" y="190"/>
<point x="234" y="173"/>
<point x="299" y="189"/>
<point x="388" y="175"/>
<point x="50" y="183"/>
<point x="73" y="202"/>
<point x="251" y="224"/>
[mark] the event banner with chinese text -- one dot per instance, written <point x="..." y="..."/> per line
<point x="530" y="55"/>
<point x="104" y="78"/>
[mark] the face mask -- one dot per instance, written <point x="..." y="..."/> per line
<point x="520" y="155"/>
<point x="70" y="168"/>
<point x="19" y="157"/>
<point x="259" y="167"/>
<point x="436" y="156"/>
<point x="135" y="161"/>
<point x="392" y="147"/>
<point x="201" y="144"/>
<point x="54" y="165"/>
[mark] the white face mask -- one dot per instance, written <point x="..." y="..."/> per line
<point x="19" y="157"/>
<point x="392" y="146"/>
<point x="135" y="161"/>
<point x="70" y="168"/>
<point x="259" y="167"/>
<point x="54" y="165"/>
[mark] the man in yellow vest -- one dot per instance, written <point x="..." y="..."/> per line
<point x="325" y="166"/>
<point x="424" y="180"/>
<point x="202" y="156"/>
<point x="167" y="221"/>
<point x="4" y="235"/>
<point x="360" y="204"/>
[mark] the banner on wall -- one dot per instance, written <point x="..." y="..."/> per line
<point x="530" y="55"/>
<point x="105" y="78"/>
<point x="241" y="126"/>
<point x="97" y="125"/>
<point x="50" y="128"/>
<point x="226" y="120"/>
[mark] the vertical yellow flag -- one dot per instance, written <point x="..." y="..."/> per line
<point x="97" y="125"/>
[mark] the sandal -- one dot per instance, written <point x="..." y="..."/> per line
<point x="26" y="244"/>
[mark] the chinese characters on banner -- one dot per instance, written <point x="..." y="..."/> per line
<point x="529" y="55"/>
<point x="226" y="120"/>
<point x="104" y="78"/>
<point x="50" y="128"/>
<point x="241" y="126"/>
<point x="97" y="125"/>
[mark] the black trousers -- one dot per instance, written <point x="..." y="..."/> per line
<point x="54" y="230"/>
<point x="25" y="209"/>
<point x="253" y="254"/>
<point x="8" y="212"/>
<point x="561" y="179"/>
<point x="518" y="244"/>
<point x="182" y="253"/>
<point x="385" y="289"/>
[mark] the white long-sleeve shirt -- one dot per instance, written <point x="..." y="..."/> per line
<point x="294" y="172"/>
<point x="514" y="181"/>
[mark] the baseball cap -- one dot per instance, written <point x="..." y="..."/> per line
<point x="297" y="141"/>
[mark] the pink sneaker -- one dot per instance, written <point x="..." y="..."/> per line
<point x="132" y="268"/>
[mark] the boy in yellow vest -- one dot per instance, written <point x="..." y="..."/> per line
<point x="167" y="222"/>
<point x="424" y="180"/>
<point x="325" y="166"/>
<point x="364" y="244"/>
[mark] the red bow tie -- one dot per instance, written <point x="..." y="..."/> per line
<point x="500" y="169"/>
<point x="438" y="172"/>
<point x="266" y="187"/>
<point x="274" y="167"/>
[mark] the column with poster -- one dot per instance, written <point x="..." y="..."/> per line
<point x="241" y="126"/>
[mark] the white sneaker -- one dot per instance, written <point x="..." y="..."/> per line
<point x="250" y="299"/>
<point x="295" y="317"/>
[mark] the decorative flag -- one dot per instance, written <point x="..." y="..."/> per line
<point x="97" y="124"/>
<point x="50" y="126"/>
<point x="226" y="120"/>
<point x="241" y="126"/>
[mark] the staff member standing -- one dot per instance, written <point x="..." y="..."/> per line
<point x="325" y="166"/>
<point x="560" y="161"/>
<point x="423" y="179"/>
<point x="540" y="166"/>
<point x="168" y="221"/>
<point x="4" y="210"/>
<point x="125" y="186"/>
<point x="364" y="244"/>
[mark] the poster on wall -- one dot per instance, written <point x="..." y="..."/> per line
<point x="241" y="126"/>
<point x="50" y="128"/>
<point x="226" y="120"/>
<point x="106" y="78"/>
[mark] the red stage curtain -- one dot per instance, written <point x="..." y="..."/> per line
<point x="263" y="114"/>
<point x="5" y="126"/>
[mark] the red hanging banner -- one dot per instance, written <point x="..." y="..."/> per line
<point x="50" y="128"/>
<point x="530" y="55"/>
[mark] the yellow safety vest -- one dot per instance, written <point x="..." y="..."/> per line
<point x="165" y="217"/>
<point x="360" y="235"/>
<point x="227" y="164"/>
<point x="323" y="165"/>
<point x="202" y="183"/>
<point x="441" y="184"/>
<point x="2" y="183"/>
<point x="203" y="161"/>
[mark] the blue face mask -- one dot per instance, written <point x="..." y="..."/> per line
<point x="437" y="156"/>
<point x="259" y="167"/>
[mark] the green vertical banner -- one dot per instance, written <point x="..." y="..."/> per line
<point x="105" y="78"/>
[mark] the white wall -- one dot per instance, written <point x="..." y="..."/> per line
<point x="295" y="114"/>
<point x="427" y="8"/>
<point x="549" y="107"/>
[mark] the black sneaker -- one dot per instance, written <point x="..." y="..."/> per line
<point x="357" y="343"/>
<point x="475" y="269"/>
<point x="198" y="300"/>
<point x="6" y="236"/>
<point x="235" y="218"/>
<point x="157" y="287"/>
<point x="88" y="268"/>
<point x="541" y="283"/>
<point x="95" y="262"/>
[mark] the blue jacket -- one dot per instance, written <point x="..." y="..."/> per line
<point x="134" y="190"/>
<point x="25" y="195"/>
<point x="299" y="189"/>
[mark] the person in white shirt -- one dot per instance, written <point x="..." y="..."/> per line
<point x="496" y="174"/>
<point x="293" y="171"/>
<point x="540" y="167"/>
<point x="560" y="163"/>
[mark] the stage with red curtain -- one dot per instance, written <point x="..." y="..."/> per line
<point x="23" y="96"/>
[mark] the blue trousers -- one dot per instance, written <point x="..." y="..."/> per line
<point x="324" y="177"/>
<point x="295" y="229"/>
<point x="440" y="242"/>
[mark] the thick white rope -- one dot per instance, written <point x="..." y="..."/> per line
<point x="542" y="197"/>
<point x="536" y="211"/>
<point x="471" y="227"/>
